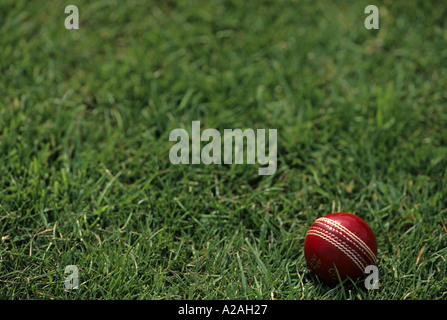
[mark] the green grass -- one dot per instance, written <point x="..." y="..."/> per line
<point x="85" y="118"/>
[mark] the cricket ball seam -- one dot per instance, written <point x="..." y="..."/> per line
<point x="351" y="254"/>
<point x="349" y="235"/>
<point x="346" y="244"/>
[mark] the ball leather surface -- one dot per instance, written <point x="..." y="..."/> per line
<point x="340" y="243"/>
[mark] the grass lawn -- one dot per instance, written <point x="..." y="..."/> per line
<point x="85" y="118"/>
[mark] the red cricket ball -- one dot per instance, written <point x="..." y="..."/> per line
<point x="340" y="243"/>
